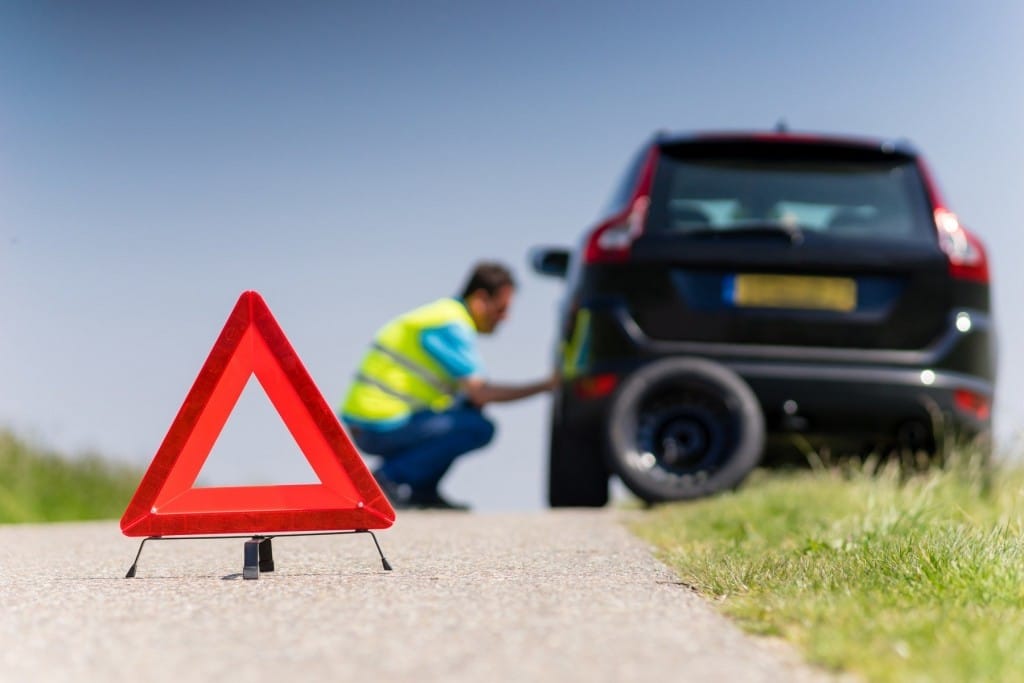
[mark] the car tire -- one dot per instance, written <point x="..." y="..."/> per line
<point x="577" y="473"/>
<point x="683" y="428"/>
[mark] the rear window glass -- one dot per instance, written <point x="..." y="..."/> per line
<point x="841" y="193"/>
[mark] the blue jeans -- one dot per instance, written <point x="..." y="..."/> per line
<point x="420" y="452"/>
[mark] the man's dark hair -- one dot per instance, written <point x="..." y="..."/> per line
<point x="489" y="276"/>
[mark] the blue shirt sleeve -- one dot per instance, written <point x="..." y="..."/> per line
<point x="454" y="347"/>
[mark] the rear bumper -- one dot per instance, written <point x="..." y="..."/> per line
<point x="966" y="346"/>
<point x="866" y="394"/>
<point x="834" y="401"/>
<point x="870" y="402"/>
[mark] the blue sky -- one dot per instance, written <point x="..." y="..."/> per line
<point x="349" y="160"/>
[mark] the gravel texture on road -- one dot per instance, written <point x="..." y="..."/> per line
<point x="552" y="596"/>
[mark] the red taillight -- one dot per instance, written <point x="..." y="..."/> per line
<point x="611" y="241"/>
<point x="597" y="386"/>
<point x="967" y="260"/>
<point x="973" y="403"/>
<point x="966" y="254"/>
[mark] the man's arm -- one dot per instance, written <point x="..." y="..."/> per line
<point x="454" y="347"/>
<point x="481" y="392"/>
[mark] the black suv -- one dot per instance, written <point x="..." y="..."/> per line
<point x="746" y="289"/>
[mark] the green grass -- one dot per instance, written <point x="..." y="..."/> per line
<point x="40" y="486"/>
<point x="895" y="579"/>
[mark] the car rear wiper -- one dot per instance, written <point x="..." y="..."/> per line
<point x="793" y="232"/>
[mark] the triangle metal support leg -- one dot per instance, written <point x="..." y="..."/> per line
<point x="383" y="560"/>
<point x="258" y="557"/>
<point x="135" y="562"/>
<point x="251" y="558"/>
<point x="266" y="555"/>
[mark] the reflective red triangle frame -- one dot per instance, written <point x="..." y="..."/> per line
<point x="167" y="502"/>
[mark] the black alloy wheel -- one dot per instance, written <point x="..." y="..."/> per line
<point x="684" y="428"/>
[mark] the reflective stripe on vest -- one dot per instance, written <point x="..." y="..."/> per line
<point x="412" y="401"/>
<point x="435" y="380"/>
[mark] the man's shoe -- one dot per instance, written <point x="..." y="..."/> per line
<point x="432" y="500"/>
<point x="398" y="495"/>
<point x="404" y="497"/>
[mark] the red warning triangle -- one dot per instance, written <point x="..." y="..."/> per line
<point x="167" y="502"/>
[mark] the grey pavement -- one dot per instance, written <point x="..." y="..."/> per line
<point x="551" y="596"/>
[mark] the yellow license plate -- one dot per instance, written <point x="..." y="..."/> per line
<point x="795" y="291"/>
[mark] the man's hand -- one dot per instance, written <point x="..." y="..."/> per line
<point x="480" y="392"/>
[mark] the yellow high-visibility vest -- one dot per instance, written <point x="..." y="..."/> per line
<point x="397" y="375"/>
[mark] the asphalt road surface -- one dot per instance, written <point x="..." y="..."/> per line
<point x="555" y="596"/>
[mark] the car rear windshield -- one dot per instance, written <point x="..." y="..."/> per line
<point x="847" y="192"/>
